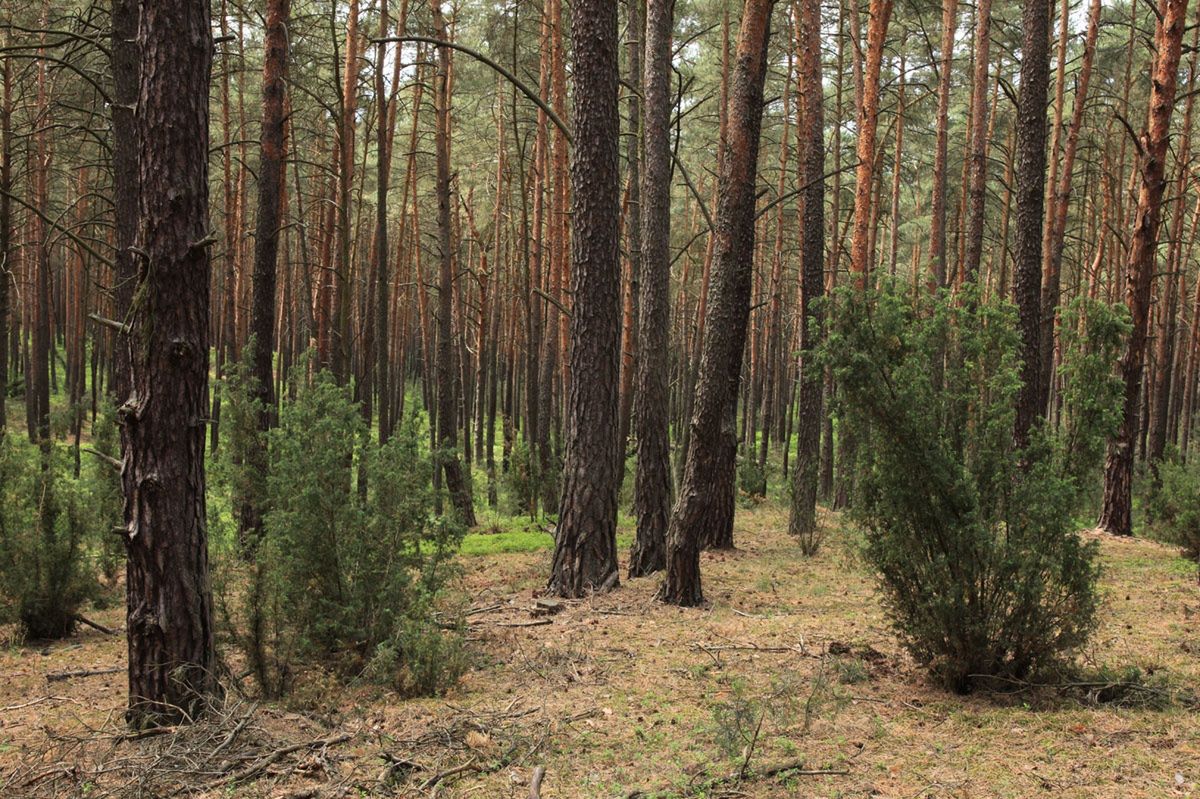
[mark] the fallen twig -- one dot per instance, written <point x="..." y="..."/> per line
<point x="84" y="620"/>
<point x="59" y="676"/>
<point x="260" y="765"/>
<point x="450" y="772"/>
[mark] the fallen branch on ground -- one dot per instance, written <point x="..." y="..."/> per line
<point x="59" y="676"/>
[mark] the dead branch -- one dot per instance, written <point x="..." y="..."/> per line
<point x="59" y="676"/>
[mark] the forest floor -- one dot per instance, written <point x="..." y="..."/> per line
<point x="620" y="696"/>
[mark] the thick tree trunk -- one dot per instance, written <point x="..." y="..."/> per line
<point x="652" y="489"/>
<point x="1116" y="514"/>
<point x="700" y="495"/>
<point x="1030" y="181"/>
<point x="802" y="521"/>
<point x="585" y="547"/>
<point x="169" y="602"/>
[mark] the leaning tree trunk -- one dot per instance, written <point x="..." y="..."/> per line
<point x="727" y="315"/>
<point x="266" y="251"/>
<point x="585" y="546"/>
<point x="169" y="601"/>
<point x="1116" y="514"/>
<point x="457" y="482"/>
<point x="802" y="521"/>
<point x="1030" y="183"/>
<point x="652" y="488"/>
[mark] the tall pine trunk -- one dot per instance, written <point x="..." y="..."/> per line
<point x="701" y="493"/>
<point x="652" y="489"/>
<point x="1030" y="182"/>
<point x="1116" y="514"/>
<point x="585" y="546"/>
<point x="169" y="601"/>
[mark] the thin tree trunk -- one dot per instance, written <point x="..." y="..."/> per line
<point x="811" y="143"/>
<point x="979" y="143"/>
<point x="457" y="482"/>
<point x="1057" y="226"/>
<point x="937" y="231"/>
<point x="266" y="251"/>
<point x="1116" y="514"/>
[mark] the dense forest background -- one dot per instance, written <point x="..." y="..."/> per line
<point x="301" y="301"/>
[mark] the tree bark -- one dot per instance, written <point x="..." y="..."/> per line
<point x="1116" y="514"/>
<point x="266" y="251"/>
<point x="979" y="143"/>
<point x="457" y="482"/>
<point x="802" y="521"/>
<point x="700" y="494"/>
<point x="585" y="547"/>
<point x="1057" y="226"/>
<point x="652" y="488"/>
<point x="1030" y="180"/>
<point x="169" y="602"/>
<point x="937" y="230"/>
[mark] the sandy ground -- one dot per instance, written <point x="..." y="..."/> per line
<point x="619" y="694"/>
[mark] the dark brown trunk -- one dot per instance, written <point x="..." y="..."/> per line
<point x="701" y="495"/>
<point x="266" y="251"/>
<point x="802" y="521"/>
<point x="652" y="490"/>
<point x="457" y="482"/>
<point x="170" y="623"/>
<point x="979" y="144"/>
<point x="585" y="547"/>
<point x="1030" y="185"/>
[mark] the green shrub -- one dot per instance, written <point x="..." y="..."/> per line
<point x="752" y="478"/>
<point x="981" y="570"/>
<point x="1175" y="507"/>
<point x="520" y="480"/>
<point x="343" y="577"/>
<point x="46" y="520"/>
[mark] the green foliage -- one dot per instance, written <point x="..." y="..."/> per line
<point x="1092" y="337"/>
<point x="46" y="522"/>
<point x="752" y="478"/>
<point x="1175" y="506"/>
<point x="348" y="576"/>
<point x="980" y="568"/>
<point x="520" y="481"/>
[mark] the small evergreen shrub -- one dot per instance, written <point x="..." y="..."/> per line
<point x="1175" y="507"/>
<point x="520" y="480"/>
<point x="981" y="570"/>
<point x="752" y="478"/>
<point x="346" y="577"/>
<point x="46" y="520"/>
